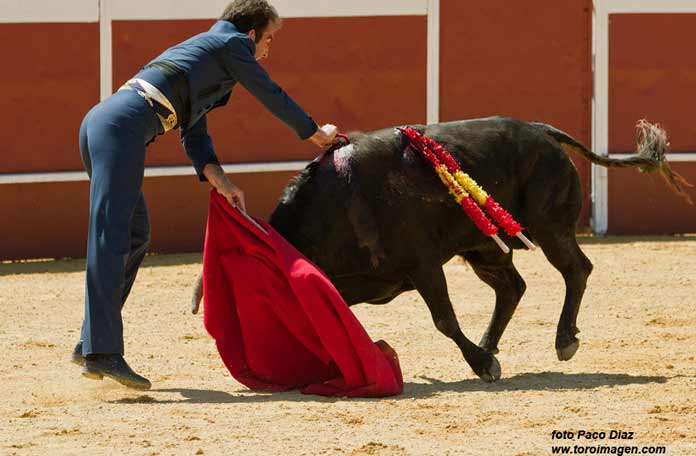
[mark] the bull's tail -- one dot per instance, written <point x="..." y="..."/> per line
<point x="651" y="150"/>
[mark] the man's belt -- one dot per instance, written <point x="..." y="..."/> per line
<point x="162" y="106"/>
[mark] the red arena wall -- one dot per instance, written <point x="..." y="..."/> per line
<point x="50" y="87"/>
<point x="649" y="77"/>
<point x="363" y="66"/>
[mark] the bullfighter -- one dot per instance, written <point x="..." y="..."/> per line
<point x="175" y="90"/>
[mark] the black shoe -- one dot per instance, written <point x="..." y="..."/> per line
<point x="76" y="356"/>
<point x="115" y="367"/>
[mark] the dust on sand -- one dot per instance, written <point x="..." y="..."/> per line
<point x="634" y="371"/>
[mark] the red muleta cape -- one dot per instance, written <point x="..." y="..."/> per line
<point x="277" y="320"/>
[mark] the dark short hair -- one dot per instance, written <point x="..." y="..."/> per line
<point x="248" y="15"/>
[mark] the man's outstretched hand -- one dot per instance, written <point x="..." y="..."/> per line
<point x="324" y="136"/>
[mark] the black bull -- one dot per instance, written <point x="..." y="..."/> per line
<point x="376" y="218"/>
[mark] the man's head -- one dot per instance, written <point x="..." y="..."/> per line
<point x="257" y="18"/>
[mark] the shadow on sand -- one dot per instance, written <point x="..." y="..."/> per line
<point x="156" y="259"/>
<point x="67" y="265"/>
<point x="164" y="259"/>
<point x="589" y="239"/>
<point x="545" y="381"/>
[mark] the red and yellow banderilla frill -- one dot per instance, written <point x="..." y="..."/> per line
<point x="461" y="186"/>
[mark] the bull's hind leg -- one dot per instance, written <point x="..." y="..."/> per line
<point x="431" y="284"/>
<point x="496" y="269"/>
<point x="564" y="254"/>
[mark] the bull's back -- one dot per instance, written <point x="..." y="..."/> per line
<point x="525" y="170"/>
<point x="517" y="163"/>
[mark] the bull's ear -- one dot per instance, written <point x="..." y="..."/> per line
<point x="419" y="128"/>
<point x="313" y="165"/>
<point x="403" y="140"/>
<point x="299" y="188"/>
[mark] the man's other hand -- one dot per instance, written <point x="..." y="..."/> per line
<point x="224" y="186"/>
<point x="234" y="195"/>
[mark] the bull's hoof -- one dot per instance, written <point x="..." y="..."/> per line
<point x="567" y="352"/>
<point x="491" y="373"/>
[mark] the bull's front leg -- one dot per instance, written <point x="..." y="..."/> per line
<point x="496" y="269"/>
<point x="431" y="284"/>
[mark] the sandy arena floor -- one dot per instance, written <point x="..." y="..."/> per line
<point x="634" y="371"/>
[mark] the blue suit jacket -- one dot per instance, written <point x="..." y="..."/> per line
<point x="214" y="62"/>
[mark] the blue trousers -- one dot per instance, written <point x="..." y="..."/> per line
<point x="113" y="139"/>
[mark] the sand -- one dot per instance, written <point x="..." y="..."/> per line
<point x="634" y="370"/>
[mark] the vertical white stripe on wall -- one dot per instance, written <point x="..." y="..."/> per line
<point x="433" y="62"/>
<point x="600" y="141"/>
<point x="105" y="50"/>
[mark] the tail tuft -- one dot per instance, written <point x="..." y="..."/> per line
<point x="652" y="144"/>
